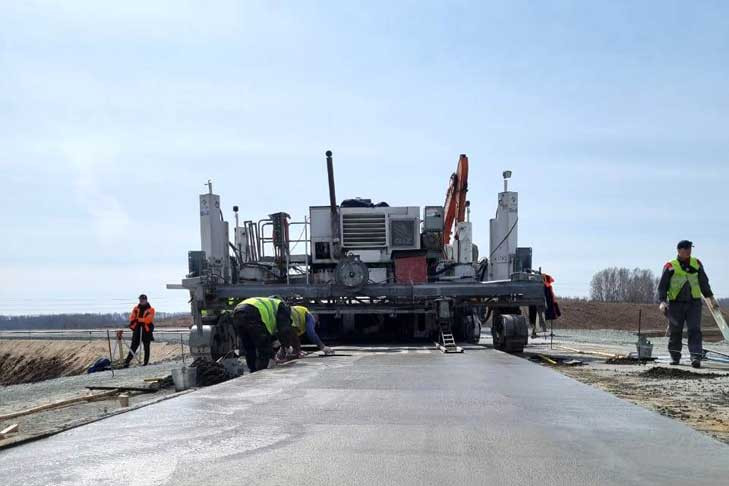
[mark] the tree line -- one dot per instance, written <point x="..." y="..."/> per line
<point x="70" y="321"/>
<point x="624" y="285"/>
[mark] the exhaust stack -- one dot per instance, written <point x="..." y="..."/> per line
<point x="333" y="206"/>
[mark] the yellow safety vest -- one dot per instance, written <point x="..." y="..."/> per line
<point x="267" y="308"/>
<point x="298" y="318"/>
<point x="680" y="277"/>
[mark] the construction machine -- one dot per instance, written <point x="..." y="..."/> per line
<point x="368" y="270"/>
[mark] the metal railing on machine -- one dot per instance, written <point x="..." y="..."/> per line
<point x="263" y="246"/>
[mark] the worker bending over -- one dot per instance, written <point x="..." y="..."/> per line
<point x="682" y="284"/>
<point x="304" y="322"/>
<point x="141" y="322"/>
<point x="259" y="321"/>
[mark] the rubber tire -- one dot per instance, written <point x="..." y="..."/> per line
<point x="501" y="341"/>
<point x="497" y="333"/>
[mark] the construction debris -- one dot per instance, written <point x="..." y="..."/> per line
<point x="209" y="372"/>
<point x="679" y="374"/>
<point x="555" y="360"/>
<point x="630" y="359"/>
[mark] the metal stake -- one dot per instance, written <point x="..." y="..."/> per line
<point x="182" y="349"/>
<point x="640" y="315"/>
<point x="111" y="358"/>
<point x="551" y="334"/>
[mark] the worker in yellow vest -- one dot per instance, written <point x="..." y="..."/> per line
<point x="682" y="284"/>
<point x="304" y="322"/>
<point x="259" y="322"/>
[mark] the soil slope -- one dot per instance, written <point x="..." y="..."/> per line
<point x="581" y="314"/>
<point x="27" y="361"/>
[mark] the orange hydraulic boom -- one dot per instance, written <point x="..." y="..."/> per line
<point x="455" y="203"/>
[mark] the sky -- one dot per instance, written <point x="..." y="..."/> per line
<point x="612" y="116"/>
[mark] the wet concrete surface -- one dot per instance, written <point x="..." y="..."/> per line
<point x="481" y="417"/>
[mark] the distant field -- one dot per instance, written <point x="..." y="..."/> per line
<point x="576" y="314"/>
<point x="581" y="314"/>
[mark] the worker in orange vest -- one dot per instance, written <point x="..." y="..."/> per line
<point x="141" y="322"/>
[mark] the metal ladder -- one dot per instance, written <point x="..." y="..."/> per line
<point x="447" y="341"/>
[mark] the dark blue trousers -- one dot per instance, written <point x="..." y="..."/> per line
<point x="689" y="314"/>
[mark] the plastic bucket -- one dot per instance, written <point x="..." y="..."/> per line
<point x="184" y="378"/>
<point x="645" y="348"/>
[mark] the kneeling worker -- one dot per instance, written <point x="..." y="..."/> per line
<point x="305" y="322"/>
<point x="259" y="322"/>
<point x="141" y="322"/>
<point x="682" y="284"/>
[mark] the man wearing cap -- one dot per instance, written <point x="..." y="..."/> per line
<point x="141" y="322"/>
<point x="682" y="284"/>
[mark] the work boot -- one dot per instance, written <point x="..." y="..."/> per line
<point x="696" y="363"/>
<point x="126" y="364"/>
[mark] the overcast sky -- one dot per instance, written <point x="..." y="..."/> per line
<point x="613" y="117"/>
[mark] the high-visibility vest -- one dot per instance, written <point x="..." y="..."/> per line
<point x="680" y="277"/>
<point x="298" y="318"/>
<point x="146" y="319"/>
<point x="267" y="308"/>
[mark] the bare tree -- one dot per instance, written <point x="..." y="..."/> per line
<point x="624" y="285"/>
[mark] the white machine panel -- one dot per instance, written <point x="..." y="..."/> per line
<point x="214" y="234"/>
<point x="370" y="233"/>
<point x="504" y="232"/>
<point x="463" y="244"/>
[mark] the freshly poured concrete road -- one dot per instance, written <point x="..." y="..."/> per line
<point x="482" y="417"/>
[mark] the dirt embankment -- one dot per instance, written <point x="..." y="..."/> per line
<point x="28" y="361"/>
<point x="581" y="314"/>
<point x="184" y="320"/>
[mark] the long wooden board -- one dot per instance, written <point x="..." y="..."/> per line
<point x="58" y="404"/>
<point x="719" y="319"/>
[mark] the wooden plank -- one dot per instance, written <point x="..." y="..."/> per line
<point x="58" y="404"/>
<point x="122" y="388"/>
<point x="597" y="353"/>
<point x="8" y="430"/>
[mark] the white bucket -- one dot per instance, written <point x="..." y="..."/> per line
<point x="184" y="378"/>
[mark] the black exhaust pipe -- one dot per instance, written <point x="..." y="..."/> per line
<point x="332" y="192"/>
<point x="335" y="250"/>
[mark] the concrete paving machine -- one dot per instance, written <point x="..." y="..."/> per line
<point x="368" y="270"/>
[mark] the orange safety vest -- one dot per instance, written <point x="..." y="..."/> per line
<point x="147" y="319"/>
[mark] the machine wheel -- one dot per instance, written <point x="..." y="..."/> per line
<point x="510" y="332"/>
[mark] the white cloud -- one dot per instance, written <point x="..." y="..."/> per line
<point x="91" y="160"/>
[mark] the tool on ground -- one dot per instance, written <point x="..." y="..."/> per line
<point x="643" y="346"/>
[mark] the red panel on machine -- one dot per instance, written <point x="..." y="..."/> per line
<point x="411" y="268"/>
